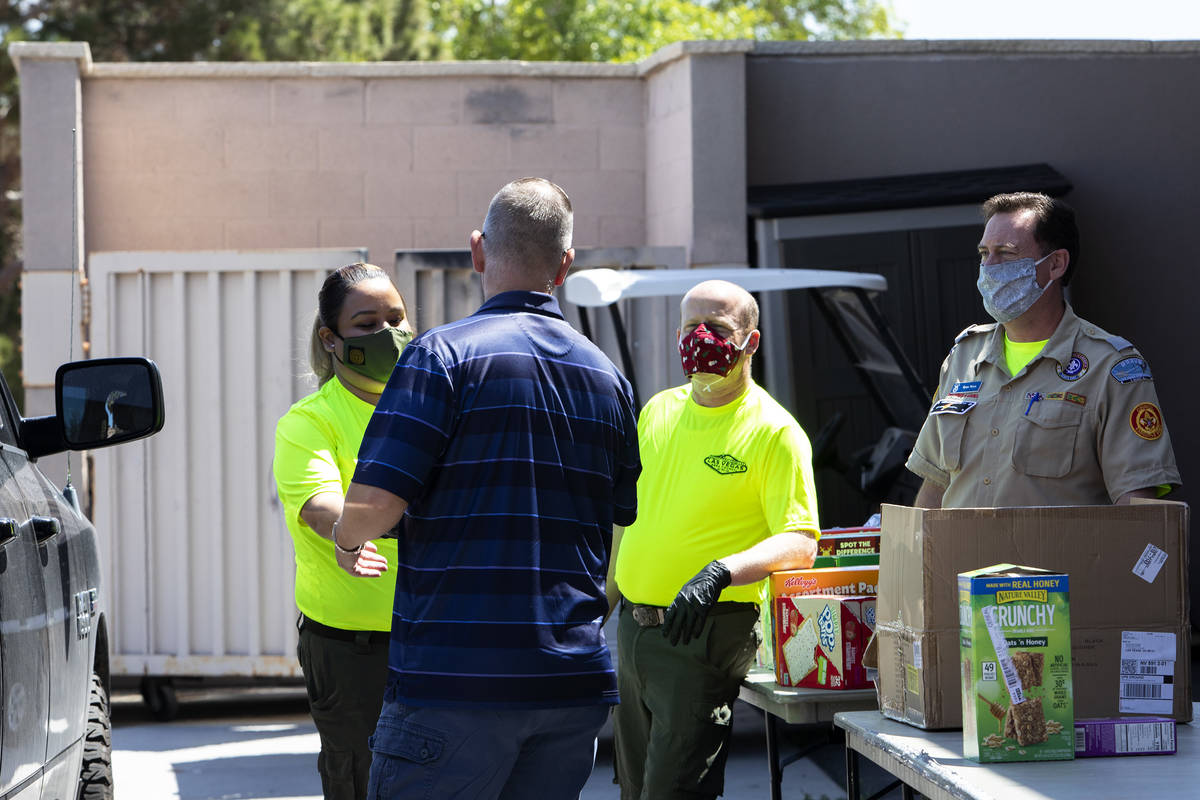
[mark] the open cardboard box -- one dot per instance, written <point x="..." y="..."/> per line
<point x="1102" y="548"/>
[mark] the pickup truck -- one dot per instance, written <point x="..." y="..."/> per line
<point x="55" y="733"/>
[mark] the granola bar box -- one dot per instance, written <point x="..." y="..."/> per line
<point x="1015" y="643"/>
<point x="1124" y="736"/>
<point x="819" y="640"/>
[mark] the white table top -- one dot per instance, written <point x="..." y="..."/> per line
<point x="932" y="762"/>
<point x="797" y="705"/>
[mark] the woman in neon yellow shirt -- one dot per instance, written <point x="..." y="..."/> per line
<point x="361" y="326"/>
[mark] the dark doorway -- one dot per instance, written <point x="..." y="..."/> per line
<point x="931" y="297"/>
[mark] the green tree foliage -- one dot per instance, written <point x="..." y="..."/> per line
<point x="627" y="30"/>
<point x="581" y="30"/>
<point x="230" y="30"/>
<point x="821" y="19"/>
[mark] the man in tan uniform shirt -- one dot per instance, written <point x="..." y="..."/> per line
<point x="1078" y="424"/>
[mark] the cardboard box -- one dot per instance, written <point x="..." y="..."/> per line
<point x="1129" y="596"/>
<point x="1127" y="736"/>
<point x="1015" y="629"/>
<point x="819" y="640"/>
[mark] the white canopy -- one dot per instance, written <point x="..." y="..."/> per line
<point x="602" y="287"/>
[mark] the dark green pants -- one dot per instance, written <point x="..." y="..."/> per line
<point x="671" y="730"/>
<point x="345" y="682"/>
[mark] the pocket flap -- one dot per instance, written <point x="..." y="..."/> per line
<point x="1054" y="413"/>
<point x="407" y="740"/>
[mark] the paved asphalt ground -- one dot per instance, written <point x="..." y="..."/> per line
<point x="258" y="743"/>
<point x="238" y="743"/>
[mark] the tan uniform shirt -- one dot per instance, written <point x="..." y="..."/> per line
<point x="1080" y="424"/>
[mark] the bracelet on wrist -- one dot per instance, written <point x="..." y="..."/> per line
<point x="341" y="549"/>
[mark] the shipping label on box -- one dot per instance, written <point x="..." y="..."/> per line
<point x="819" y="640"/>
<point x="1015" y="645"/>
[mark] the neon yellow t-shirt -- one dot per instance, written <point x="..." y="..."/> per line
<point x="714" y="482"/>
<point x="1018" y="354"/>
<point x="316" y="449"/>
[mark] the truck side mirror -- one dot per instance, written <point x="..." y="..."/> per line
<point x="106" y="401"/>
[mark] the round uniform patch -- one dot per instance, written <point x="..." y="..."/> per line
<point x="1146" y="421"/>
<point x="1075" y="369"/>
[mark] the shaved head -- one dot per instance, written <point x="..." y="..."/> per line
<point x="741" y="304"/>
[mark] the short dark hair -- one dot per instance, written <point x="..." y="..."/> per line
<point x="528" y="226"/>
<point x="1055" y="226"/>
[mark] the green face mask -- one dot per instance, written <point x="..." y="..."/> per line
<point x="374" y="355"/>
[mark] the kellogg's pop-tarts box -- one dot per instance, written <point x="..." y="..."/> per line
<point x="838" y="581"/>
<point x="820" y="638"/>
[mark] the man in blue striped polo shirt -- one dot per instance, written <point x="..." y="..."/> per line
<point x="508" y="443"/>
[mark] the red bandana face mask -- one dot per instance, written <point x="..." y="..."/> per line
<point x="705" y="352"/>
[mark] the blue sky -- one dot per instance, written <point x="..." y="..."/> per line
<point x="1049" y="19"/>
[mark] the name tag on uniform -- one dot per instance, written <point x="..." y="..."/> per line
<point x="952" y="405"/>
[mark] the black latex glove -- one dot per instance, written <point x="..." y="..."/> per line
<point x="685" y="617"/>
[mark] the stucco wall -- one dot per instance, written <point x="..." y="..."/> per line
<point x="385" y="162"/>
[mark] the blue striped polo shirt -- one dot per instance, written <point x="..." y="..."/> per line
<point x="514" y="440"/>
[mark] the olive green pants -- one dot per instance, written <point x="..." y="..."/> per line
<point x="671" y="730"/>
<point x="345" y="682"/>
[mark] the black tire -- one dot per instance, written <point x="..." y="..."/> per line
<point x="160" y="698"/>
<point x="95" y="776"/>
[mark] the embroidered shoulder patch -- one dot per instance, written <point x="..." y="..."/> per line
<point x="1128" y="370"/>
<point x="1146" y="421"/>
<point x="725" y="464"/>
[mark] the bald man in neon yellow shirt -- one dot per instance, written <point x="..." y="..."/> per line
<point x="726" y="496"/>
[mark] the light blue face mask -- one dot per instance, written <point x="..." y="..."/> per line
<point x="1010" y="288"/>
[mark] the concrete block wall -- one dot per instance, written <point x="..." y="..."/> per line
<point x="383" y="160"/>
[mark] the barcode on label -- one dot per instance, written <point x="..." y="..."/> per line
<point x="1131" y="666"/>
<point x="1000" y="645"/>
<point x="1080" y="740"/>
<point x="1140" y="690"/>
<point x="1010" y="678"/>
<point x="1150" y="563"/>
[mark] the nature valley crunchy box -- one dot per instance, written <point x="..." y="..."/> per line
<point x="819" y="640"/>
<point x="1016" y="664"/>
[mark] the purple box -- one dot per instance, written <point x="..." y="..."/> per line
<point x="1124" y="736"/>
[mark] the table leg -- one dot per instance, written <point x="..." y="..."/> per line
<point x="906" y="791"/>
<point x="773" y="757"/>
<point x="853" y="791"/>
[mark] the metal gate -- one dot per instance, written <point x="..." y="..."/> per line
<point x="198" y="564"/>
